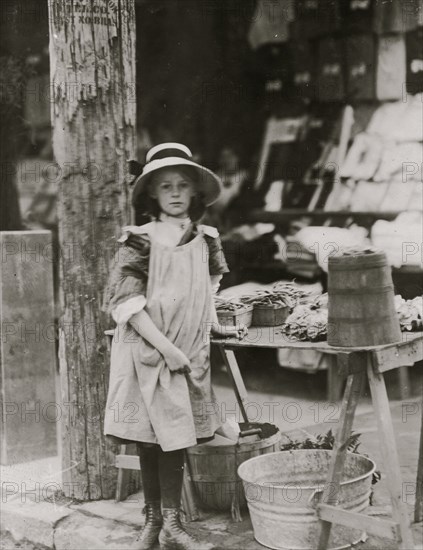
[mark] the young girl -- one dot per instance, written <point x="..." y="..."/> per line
<point x="160" y="294"/>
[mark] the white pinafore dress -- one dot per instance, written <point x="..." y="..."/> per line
<point x="146" y="401"/>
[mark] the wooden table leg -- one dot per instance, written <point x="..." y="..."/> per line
<point x="404" y="382"/>
<point x="330" y="492"/>
<point x="390" y="455"/>
<point x="418" y="511"/>
<point x="334" y="380"/>
<point x="234" y="373"/>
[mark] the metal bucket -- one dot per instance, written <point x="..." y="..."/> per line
<point x="283" y="489"/>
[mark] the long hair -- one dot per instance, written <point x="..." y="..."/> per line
<point x="147" y="206"/>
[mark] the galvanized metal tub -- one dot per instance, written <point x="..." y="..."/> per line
<point x="283" y="489"/>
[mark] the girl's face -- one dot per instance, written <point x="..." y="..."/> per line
<point x="173" y="190"/>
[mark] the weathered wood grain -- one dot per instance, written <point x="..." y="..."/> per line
<point x="92" y="68"/>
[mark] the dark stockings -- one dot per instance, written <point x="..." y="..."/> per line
<point x="161" y="474"/>
<point x="171" y="474"/>
<point x="149" y="462"/>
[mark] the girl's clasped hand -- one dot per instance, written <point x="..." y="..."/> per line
<point x="178" y="362"/>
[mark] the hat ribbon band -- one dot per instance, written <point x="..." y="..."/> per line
<point x="165" y="153"/>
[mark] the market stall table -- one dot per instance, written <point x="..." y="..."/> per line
<point x="356" y="364"/>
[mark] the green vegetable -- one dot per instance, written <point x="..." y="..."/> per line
<point x="283" y="294"/>
<point x="327" y="441"/>
<point x="223" y="305"/>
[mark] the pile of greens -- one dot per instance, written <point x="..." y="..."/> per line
<point x="326" y="441"/>
<point x="282" y="294"/>
<point x="228" y="305"/>
<point x="308" y="321"/>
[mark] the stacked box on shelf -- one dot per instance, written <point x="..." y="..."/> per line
<point x="273" y="69"/>
<point x="357" y="15"/>
<point x="314" y="18"/>
<point x="390" y="67"/>
<point x="389" y="17"/>
<point x="330" y="69"/>
<point x="414" y="48"/>
<point x="397" y="16"/>
<point x="270" y="23"/>
<point x="360" y="63"/>
<point x="304" y="68"/>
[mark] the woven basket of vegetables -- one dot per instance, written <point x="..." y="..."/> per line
<point x="269" y="315"/>
<point x="272" y="307"/>
<point x="233" y="313"/>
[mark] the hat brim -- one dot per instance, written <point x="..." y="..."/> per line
<point x="208" y="183"/>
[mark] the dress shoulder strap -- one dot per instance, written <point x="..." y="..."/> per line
<point x="136" y="230"/>
<point x="209" y="231"/>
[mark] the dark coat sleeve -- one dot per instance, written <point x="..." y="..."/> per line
<point x="129" y="272"/>
<point x="217" y="261"/>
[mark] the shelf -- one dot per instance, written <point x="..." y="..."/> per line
<point x="282" y="216"/>
<point x="408" y="270"/>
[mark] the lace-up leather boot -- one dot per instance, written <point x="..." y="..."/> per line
<point x="151" y="529"/>
<point x="174" y="537"/>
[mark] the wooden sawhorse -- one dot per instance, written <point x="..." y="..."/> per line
<point x="357" y="364"/>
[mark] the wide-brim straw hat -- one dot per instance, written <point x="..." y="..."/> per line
<point x="176" y="154"/>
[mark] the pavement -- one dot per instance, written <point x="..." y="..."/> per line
<point x="32" y="517"/>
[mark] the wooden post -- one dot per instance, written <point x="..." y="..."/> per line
<point x="418" y="512"/>
<point x="92" y="67"/>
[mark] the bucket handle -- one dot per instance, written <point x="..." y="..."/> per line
<point x="316" y="495"/>
<point x="313" y="501"/>
<point x="254" y="431"/>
